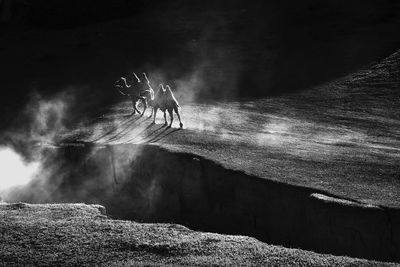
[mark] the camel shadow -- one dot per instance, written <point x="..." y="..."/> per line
<point x="113" y="129"/>
<point x="159" y="136"/>
<point x="126" y="125"/>
<point x="138" y="135"/>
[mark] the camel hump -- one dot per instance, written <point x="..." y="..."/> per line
<point x="171" y="96"/>
<point x="158" y="93"/>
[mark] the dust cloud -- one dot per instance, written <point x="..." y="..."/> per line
<point x="24" y="146"/>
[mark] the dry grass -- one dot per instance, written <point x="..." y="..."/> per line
<point x="79" y="235"/>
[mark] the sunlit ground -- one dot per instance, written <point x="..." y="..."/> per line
<point x="359" y="112"/>
<point x="267" y="123"/>
<point x="346" y="143"/>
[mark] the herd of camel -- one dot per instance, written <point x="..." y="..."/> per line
<point x="141" y="90"/>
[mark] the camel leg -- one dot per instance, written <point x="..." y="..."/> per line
<point x="134" y="106"/>
<point x="155" y="114"/>
<point x="134" y="103"/>
<point x="179" y="116"/>
<point x="137" y="109"/>
<point x="172" y="117"/>
<point x="165" y="118"/>
<point x="145" y="106"/>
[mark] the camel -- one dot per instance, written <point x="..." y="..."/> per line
<point x="134" y="94"/>
<point x="146" y="91"/>
<point x="164" y="100"/>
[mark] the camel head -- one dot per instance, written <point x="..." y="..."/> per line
<point x="144" y="75"/>
<point x="121" y="83"/>
<point x="118" y="83"/>
<point x="137" y="78"/>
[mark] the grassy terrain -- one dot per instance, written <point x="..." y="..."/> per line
<point x="78" y="235"/>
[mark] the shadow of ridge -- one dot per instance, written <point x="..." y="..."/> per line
<point x="76" y="143"/>
<point x="158" y="137"/>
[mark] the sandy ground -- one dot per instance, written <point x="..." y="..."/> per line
<point x="342" y="137"/>
<point x="82" y="235"/>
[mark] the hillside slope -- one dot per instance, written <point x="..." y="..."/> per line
<point x="341" y="137"/>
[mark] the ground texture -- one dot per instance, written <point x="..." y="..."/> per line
<point x="82" y="235"/>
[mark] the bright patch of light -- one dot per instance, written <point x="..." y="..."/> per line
<point x="14" y="171"/>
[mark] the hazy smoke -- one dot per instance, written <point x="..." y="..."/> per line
<point x="210" y="71"/>
<point x="42" y="163"/>
<point x="41" y="124"/>
<point x="214" y="77"/>
<point x="48" y="117"/>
